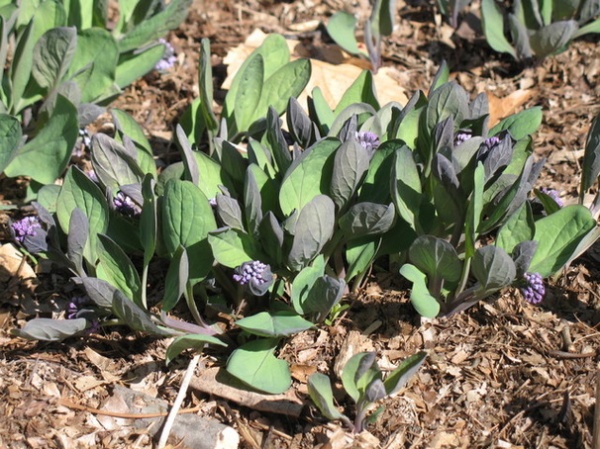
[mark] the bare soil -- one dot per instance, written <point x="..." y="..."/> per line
<point x="504" y="374"/>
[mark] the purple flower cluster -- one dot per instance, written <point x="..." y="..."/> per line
<point x="368" y="140"/>
<point x="80" y="307"/>
<point x="25" y="227"/>
<point x="533" y="291"/>
<point x="255" y="275"/>
<point x="461" y="137"/>
<point x="74" y="305"/>
<point x="168" y="60"/>
<point x="554" y="194"/>
<point x="126" y="206"/>
<point x="491" y="142"/>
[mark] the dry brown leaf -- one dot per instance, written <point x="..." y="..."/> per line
<point x="503" y="107"/>
<point x="104" y="364"/>
<point x="14" y="264"/>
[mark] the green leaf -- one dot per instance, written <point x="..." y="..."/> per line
<point x="319" y="390"/>
<point x="350" y="164"/>
<point x="325" y="293"/>
<point x="436" y="258"/>
<point x="77" y="238"/>
<point x="474" y="210"/>
<point x="114" y="165"/>
<point x="401" y="375"/>
<point x="341" y="28"/>
<point x="448" y="100"/>
<point x="232" y="247"/>
<point x="176" y="280"/>
<point x="558" y="236"/>
<point x="425" y="304"/>
<point x="205" y="86"/>
<point x="193" y="341"/>
<point x="81" y="192"/>
<point x="246" y="106"/>
<point x="322" y="110"/>
<point x="45" y="157"/>
<point x="314" y="228"/>
<point x="362" y="90"/>
<point x="280" y="323"/>
<point x="304" y="281"/>
<point x="308" y="177"/>
<point x="115" y="267"/>
<point x="518" y="228"/>
<point x="493" y="268"/>
<point x="275" y="54"/>
<point x="406" y="186"/>
<point x="288" y="81"/>
<point x="360" y="254"/>
<point x="255" y="365"/>
<point x="360" y="370"/>
<point x="156" y="26"/>
<point x="591" y="157"/>
<point x="52" y="56"/>
<point x="134" y="65"/>
<point x="521" y="124"/>
<point x="212" y="175"/>
<point x="187" y="218"/>
<point x="553" y="38"/>
<point x="48" y="329"/>
<point x="94" y="64"/>
<point x="148" y="219"/>
<point x="127" y="126"/>
<point x="135" y="317"/>
<point x="10" y="139"/>
<point x="367" y="219"/>
<point x="493" y="27"/>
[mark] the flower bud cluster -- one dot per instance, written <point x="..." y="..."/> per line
<point x="368" y="140"/>
<point x="168" y="60"/>
<point x="533" y="291"/>
<point x="126" y="206"/>
<point x="255" y="275"/>
<point x="25" y="227"/>
<point x="554" y="194"/>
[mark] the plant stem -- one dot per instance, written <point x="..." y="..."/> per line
<point x="144" y="282"/>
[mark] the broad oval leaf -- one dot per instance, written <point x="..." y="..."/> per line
<point x="401" y="375"/>
<point x="436" y="258"/>
<point x="314" y="228"/>
<point x="341" y="28"/>
<point x="52" y="56"/>
<point x="558" y="236"/>
<point x="493" y="268"/>
<point x="193" y="341"/>
<point x="10" y="139"/>
<point x="255" y="365"/>
<point x="78" y="191"/>
<point x="232" y="247"/>
<point x="48" y="329"/>
<point x="319" y="390"/>
<point x="423" y="302"/>
<point x="309" y="176"/>
<point x="280" y="323"/>
<point x="350" y="164"/>
<point x="187" y="218"/>
<point x="364" y="219"/>
<point x="115" y="267"/>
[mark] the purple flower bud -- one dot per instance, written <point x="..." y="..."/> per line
<point x="168" y="60"/>
<point x="25" y="227"/>
<point x="461" y="137"/>
<point x="533" y="289"/>
<point x="554" y="194"/>
<point x="491" y="142"/>
<point x="255" y="275"/>
<point x="126" y="206"/>
<point x="92" y="175"/>
<point x="368" y="140"/>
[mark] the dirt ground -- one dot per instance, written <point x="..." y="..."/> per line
<point x="504" y="374"/>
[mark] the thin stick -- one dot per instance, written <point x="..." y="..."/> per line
<point x="596" y="435"/>
<point x="164" y="436"/>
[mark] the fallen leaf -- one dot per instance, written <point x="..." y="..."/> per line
<point x="503" y="107"/>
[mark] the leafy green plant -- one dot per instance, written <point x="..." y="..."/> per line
<point x="538" y="28"/>
<point x="462" y="182"/>
<point x="64" y="64"/>
<point x="342" y="28"/>
<point x="364" y="383"/>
